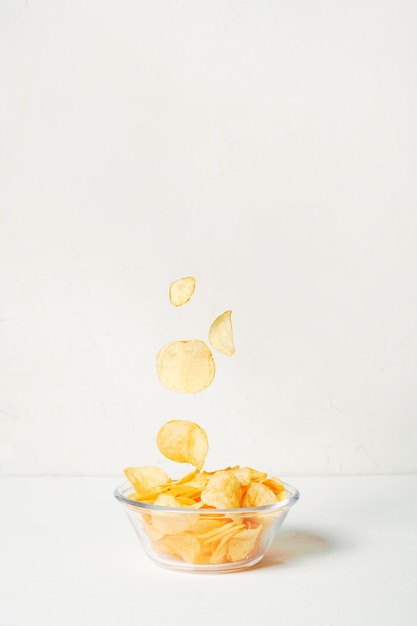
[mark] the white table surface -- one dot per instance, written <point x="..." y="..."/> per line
<point x="346" y="555"/>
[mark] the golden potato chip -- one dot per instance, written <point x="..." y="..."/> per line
<point x="185" y="501"/>
<point x="198" y="482"/>
<point x="219" y="554"/>
<point x="191" y="488"/>
<point x="147" y="478"/>
<point x="184" y="442"/>
<point x="275" y="484"/>
<point x="185" y="546"/>
<point x="257" y="476"/>
<point x="242" y="543"/>
<point x="283" y="495"/>
<point x="188" y="477"/>
<point x="222" y="491"/>
<point x="243" y="474"/>
<point x="185" y="366"/>
<point x="165" y="499"/>
<point x="216" y="531"/>
<point x="258" y="494"/>
<point x="181" y="290"/>
<point x="170" y="523"/>
<point x="221" y="334"/>
<point x="205" y="527"/>
<point x="154" y="535"/>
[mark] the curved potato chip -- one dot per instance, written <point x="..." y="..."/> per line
<point x="257" y="476"/>
<point x="275" y="484"/>
<point x="283" y="495"/>
<point x="185" y="366"/>
<point x="242" y="543"/>
<point x="186" y="546"/>
<point x="184" y="442"/>
<point x="222" y="491"/>
<point x="171" y="523"/>
<point x="219" y="554"/>
<point x="181" y="290"/>
<point x="221" y="334"/>
<point x="258" y="494"/>
<point x="147" y="478"/>
<point x="243" y="474"/>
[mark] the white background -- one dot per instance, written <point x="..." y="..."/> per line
<point x="266" y="147"/>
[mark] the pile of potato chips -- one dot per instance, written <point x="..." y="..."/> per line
<point x="195" y="531"/>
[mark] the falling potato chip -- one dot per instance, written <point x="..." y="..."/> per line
<point x="181" y="290"/>
<point x="221" y="334"/>
<point x="222" y="491"/>
<point x="185" y="366"/>
<point x="184" y="442"/>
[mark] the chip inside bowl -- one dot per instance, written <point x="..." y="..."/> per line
<point x="223" y="491"/>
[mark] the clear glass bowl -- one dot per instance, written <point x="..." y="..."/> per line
<point x="205" y="540"/>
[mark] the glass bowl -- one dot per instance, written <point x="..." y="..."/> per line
<point x="205" y="540"/>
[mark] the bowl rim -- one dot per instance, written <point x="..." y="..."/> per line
<point x="267" y="508"/>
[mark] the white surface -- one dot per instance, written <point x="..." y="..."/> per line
<point x="267" y="147"/>
<point x="347" y="554"/>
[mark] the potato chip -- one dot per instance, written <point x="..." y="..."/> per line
<point x="185" y="366"/>
<point x="220" y="553"/>
<point x="257" y="476"/>
<point x="147" y="478"/>
<point x="243" y="474"/>
<point x="185" y="545"/>
<point x="181" y="290"/>
<point x="184" y="442"/>
<point x="188" y="477"/>
<point x="165" y="499"/>
<point x="154" y="535"/>
<point x="219" y="528"/>
<point x="275" y="484"/>
<point x="258" y="494"/>
<point x="221" y="334"/>
<point x="169" y="523"/>
<point x="242" y="544"/>
<point x="185" y="501"/>
<point x="283" y="495"/>
<point x="222" y="491"/>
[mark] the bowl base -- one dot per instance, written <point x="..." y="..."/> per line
<point x="225" y="568"/>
